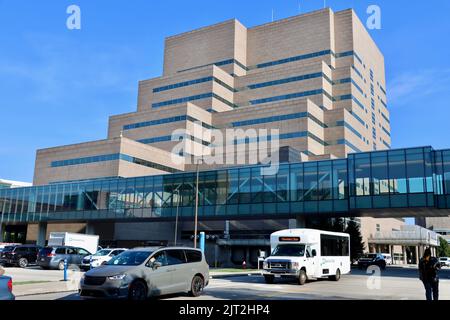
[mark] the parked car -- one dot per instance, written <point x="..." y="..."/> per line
<point x="53" y="257"/>
<point x="100" y="258"/>
<point x="388" y="258"/>
<point x="21" y="256"/>
<point x="444" y="261"/>
<point x="6" y="287"/>
<point x="143" y="272"/>
<point x="372" y="259"/>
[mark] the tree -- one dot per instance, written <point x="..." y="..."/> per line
<point x="356" y="241"/>
<point x="338" y="225"/>
<point x="444" y="249"/>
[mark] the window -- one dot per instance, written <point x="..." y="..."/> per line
<point x="82" y="252"/>
<point x="175" y="257"/>
<point x="193" y="256"/>
<point x="160" y="257"/>
<point x="334" y="246"/>
<point x="60" y="251"/>
<point x="71" y="251"/>
<point x="378" y="228"/>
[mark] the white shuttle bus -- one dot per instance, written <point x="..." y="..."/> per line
<point x="304" y="254"/>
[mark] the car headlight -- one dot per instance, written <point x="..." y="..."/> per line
<point x="295" y="265"/>
<point x="265" y="265"/>
<point x="117" y="277"/>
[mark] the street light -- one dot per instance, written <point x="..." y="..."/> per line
<point x="196" y="205"/>
<point x="177" y="192"/>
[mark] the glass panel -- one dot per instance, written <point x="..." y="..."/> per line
<point x="325" y="176"/>
<point x="257" y="186"/>
<point x="416" y="172"/>
<point x="244" y="186"/>
<point x="380" y="176"/>
<point x="362" y="175"/>
<point x="310" y="192"/>
<point x="283" y="184"/>
<point x="340" y="183"/>
<point x="397" y="173"/>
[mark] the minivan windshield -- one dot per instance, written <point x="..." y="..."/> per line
<point x="129" y="258"/>
<point x="103" y="252"/>
<point x="289" y="250"/>
<point x="8" y="248"/>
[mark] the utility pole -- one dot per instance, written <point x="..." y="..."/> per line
<point x="196" y="205"/>
<point x="176" y="217"/>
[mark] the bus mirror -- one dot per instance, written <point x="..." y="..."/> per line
<point x="314" y="253"/>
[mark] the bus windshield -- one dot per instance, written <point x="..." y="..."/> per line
<point x="289" y="250"/>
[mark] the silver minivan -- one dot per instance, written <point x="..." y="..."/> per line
<point x="144" y="272"/>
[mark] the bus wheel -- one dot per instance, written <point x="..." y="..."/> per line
<point x="302" y="277"/>
<point x="269" y="279"/>
<point x="336" y="277"/>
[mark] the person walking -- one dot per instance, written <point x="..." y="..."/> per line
<point x="428" y="270"/>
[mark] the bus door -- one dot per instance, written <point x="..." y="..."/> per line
<point x="312" y="262"/>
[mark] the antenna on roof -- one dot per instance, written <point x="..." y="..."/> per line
<point x="324" y="4"/>
<point x="299" y="7"/>
<point x="272" y="15"/>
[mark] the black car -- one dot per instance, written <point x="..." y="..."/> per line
<point x="372" y="259"/>
<point x="21" y="256"/>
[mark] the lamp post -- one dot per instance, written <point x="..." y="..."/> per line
<point x="196" y="205"/>
<point x="177" y="192"/>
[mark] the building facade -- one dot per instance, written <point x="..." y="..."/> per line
<point x="318" y="78"/>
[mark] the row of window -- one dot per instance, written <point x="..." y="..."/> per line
<point x="111" y="157"/>
<point x="307" y="56"/>
<point x="169" y="138"/>
<point x="164" y="121"/>
<point x="192" y="98"/>
<point x="286" y="80"/>
<point x="348" y="126"/>
<point x="386" y="131"/>
<point x="278" y="118"/>
<point x="281" y="61"/>
<point x="284" y="136"/>
<point x="220" y="63"/>
<point x="193" y="82"/>
<point x="287" y="96"/>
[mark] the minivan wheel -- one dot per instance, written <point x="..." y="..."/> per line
<point x="137" y="291"/>
<point x="197" y="286"/>
<point x="61" y="265"/>
<point x="302" y="277"/>
<point x="336" y="277"/>
<point x="23" y="262"/>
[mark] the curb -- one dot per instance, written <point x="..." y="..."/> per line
<point x="233" y="275"/>
<point x="41" y="293"/>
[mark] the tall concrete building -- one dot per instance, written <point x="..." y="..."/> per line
<point x="318" y="78"/>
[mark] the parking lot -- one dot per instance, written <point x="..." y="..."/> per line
<point x="395" y="283"/>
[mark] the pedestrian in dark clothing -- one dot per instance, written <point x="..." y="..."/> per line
<point x="428" y="269"/>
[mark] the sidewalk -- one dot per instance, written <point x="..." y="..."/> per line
<point x="234" y="273"/>
<point x="72" y="286"/>
<point x="44" y="288"/>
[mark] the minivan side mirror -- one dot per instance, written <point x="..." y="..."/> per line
<point x="314" y="253"/>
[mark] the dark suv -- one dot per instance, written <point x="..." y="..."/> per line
<point x="372" y="259"/>
<point x="21" y="256"/>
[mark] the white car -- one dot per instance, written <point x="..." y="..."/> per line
<point x="100" y="258"/>
<point x="444" y="261"/>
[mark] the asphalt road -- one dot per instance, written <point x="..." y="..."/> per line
<point x="394" y="284"/>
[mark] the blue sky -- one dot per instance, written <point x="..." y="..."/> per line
<point x="59" y="86"/>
